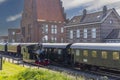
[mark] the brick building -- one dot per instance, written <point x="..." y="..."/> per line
<point x="43" y="21"/>
<point x="93" y="27"/>
<point x="14" y="35"/>
<point x="3" y="39"/>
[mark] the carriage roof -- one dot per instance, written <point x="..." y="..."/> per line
<point x="55" y="45"/>
<point x="96" y="46"/>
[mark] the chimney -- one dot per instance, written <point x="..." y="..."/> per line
<point x="104" y="11"/>
<point x="84" y="14"/>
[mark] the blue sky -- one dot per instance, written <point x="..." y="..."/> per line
<point x="11" y="10"/>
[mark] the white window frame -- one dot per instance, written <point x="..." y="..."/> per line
<point x="62" y="40"/>
<point x="55" y="39"/>
<point x="52" y="39"/>
<point x="13" y="33"/>
<point x="62" y="30"/>
<point x="93" y="32"/>
<point x="71" y="34"/>
<point x="46" y="28"/>
<point x="85" y="33"/>
<point x="77" y="33"/>
<point x="52" y="29"/>
<point x="55" y="29"/>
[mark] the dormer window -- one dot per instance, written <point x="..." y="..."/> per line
<point x="73" y="20"/>
<point x="13" y="33"/>
<point x="98" y="16"/>
<point x="111" y="21"/>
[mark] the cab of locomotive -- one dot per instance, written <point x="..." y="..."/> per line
<point x="58" y="53"/>
<point x="34" y="54"/>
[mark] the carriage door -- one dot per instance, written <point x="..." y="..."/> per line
<point x="115" y="59"/>
<point x="72" y="57"/>
<point x="77" y="57"/>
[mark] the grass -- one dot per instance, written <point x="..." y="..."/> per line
<point x="15" y="72"/>
<point x="9" y="70"/>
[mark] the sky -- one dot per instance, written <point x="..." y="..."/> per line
<point x="11" y="10"/>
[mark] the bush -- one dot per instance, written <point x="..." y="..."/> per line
<point x="35" y="74"/>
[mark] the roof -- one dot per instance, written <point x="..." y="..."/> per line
<point x="91" y="18"/>
<point x="17" y="30"/>
<point x="55" y="45"/>
<point x="50" y="10"/>
<point x="97" y="46"/>
<point x="115" y="34"/>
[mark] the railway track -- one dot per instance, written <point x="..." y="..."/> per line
<point x="89" y="75"/>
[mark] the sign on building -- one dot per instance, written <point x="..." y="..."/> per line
<point x="0" y="62"/>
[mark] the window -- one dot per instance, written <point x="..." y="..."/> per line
<point x="59" y="51"/>
<point x="73" y="20"/>
<point x="71" y="34"/>
<point x="45" y="28"/>
<point x="78" y="33"/>
<point x="55" y="39"/>
<point x="93" y="32"/>
<point x="62" y="30"/>
<point x="45" y="38"/>
<point x="115" y="55"/>
<point x="85" y="53"/>
<point x="98" y="16"/>
<point x="52" y="39"/>
<point x="54" y="29"/>
<point x="77" y="52"/>
<point x="94" y="53"/>
<point x="29" y="29"/>
<point x="13" y="33"/>
<point x="104" y="54"/>
<point x="13" y="40"/>
<point x="62" y="40"/>
<point x="85" y="33"/>
<point x="111" y="21"/>
<point x="23" y="31"/>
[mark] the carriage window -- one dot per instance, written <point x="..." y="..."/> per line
<point x="85" y="53"/>
<point x="24" y="49"/>
<point x="104" y="54"/>
<point x="59" y="51"/>
<point x="77" y="52"/>
<point x="55" y="50"/>
<point x="72" y="51"/>
<point x="115" y="55"/>
<point x="94" y="53"/>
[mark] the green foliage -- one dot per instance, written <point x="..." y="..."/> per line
<point x="15" y="72"/>
<point x="35" y="74"/>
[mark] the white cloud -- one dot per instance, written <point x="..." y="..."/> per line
<point x="92" y="5"/>
<point x="1" y="1"/>
<point x="69" y="4"/>
<point x="14" y="17"/>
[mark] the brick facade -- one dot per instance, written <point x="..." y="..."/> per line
<point x="40" y="15"/>
<point x="4" y="39"/>
<point x="14" y="35"/>
<point x="98" y="24"/>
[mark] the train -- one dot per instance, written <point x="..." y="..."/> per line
<point x="81" y="55"/>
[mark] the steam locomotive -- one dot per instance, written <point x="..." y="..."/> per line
<point x="81" y="55"/>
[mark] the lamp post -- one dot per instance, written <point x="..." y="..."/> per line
<point x="0" y="62"/>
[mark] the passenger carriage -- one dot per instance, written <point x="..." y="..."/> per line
<point x="2" y="47"/>
<point x="96" y="55"/>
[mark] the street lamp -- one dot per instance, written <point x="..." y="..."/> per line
<point x="0" y="62"/>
